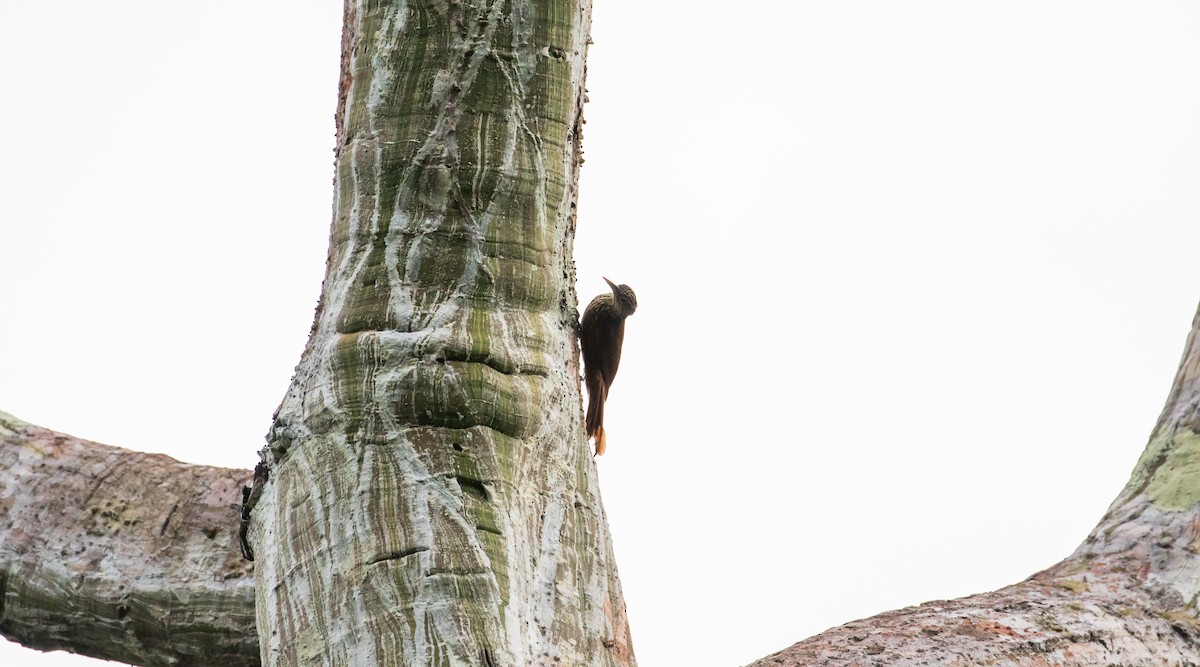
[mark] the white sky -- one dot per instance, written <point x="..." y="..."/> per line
<point x="913" y="277"/>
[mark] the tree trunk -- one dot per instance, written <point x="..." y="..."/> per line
<point x="1127" y="596"/>
<point x="431" y="499"/>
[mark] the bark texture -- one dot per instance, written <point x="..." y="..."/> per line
<point x="1126" y="597"/>
<point x="121" y="555"/>
<point x="431" y="498"/>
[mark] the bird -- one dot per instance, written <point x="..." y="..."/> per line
<point x="601" y="332"/>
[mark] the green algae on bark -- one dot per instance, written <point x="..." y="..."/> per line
<point x="428" y="456"/>
<point x="1171" y="469"/>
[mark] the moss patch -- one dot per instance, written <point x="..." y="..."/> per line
<point x="9" y="425"/>
<point x="1073" y="585"/>
<point x="1171" y="465"/>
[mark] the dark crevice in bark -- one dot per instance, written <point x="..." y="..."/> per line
<point x="167" y="521"/>
<point x="489" y="529"/>
<point x="475" y="487"/>
<point x="511" y="370"/>
<point x="397" y="555"/>
<point x="447" y="572"/>
<point x="105" y="475"/>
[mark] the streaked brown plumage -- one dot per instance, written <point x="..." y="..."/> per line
<point x="601" y="332"/>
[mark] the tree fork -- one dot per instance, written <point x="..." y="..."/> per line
<point x="1126" y="597"/>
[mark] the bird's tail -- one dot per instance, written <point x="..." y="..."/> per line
<point x="595" y="416"/>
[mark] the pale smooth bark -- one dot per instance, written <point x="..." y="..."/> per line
<point x="431" y="498"/>
<point x="119" y="554"/>
<point x="1126" y="597"/>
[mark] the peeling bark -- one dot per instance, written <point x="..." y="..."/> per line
<point x="121" y="555"/>
<point x="1126" y="597"/>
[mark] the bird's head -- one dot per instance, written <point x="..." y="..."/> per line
<point x="624" y="297"/>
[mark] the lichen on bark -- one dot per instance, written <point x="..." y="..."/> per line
<point x="431" y="498"/>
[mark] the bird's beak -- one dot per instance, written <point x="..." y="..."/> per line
<point x="610" y="284"/>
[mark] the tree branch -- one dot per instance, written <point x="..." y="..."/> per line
<point x="1127" y="596"/>
<point x="121" y="555"/>
<point x="1089" y="620"/>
